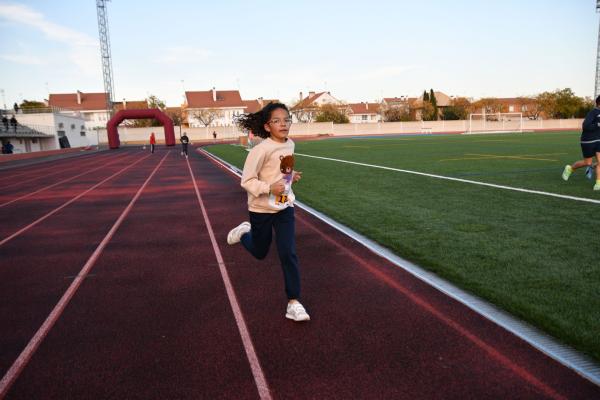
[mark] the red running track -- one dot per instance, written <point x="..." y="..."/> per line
<point x="151" y="317"/>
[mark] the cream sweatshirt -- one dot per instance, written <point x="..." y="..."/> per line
<point x="261" y="169"/>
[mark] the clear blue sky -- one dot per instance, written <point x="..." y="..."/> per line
<point x="357" y="50"/>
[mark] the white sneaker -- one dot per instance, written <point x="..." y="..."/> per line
<point x="236" y="233"/>
<point x="296" y="312"/>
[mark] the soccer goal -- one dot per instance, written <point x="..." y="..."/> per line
<point x="495" y="123"/>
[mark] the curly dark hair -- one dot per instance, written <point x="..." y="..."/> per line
<point x="255" y="122"/>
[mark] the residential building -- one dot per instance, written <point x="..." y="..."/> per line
<point x="213" y="107"/>
<point x="307" y="108"/>
<point x="361" y="113"/>
<point x="256" y="105"/>
<point x="91" y="106"/>
<point x="442" y="101"/>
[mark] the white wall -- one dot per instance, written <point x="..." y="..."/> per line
<point x="73" y="127"/>
<point x="141" y="135"/>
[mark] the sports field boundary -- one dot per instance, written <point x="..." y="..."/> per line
<point x="562" y="353"/>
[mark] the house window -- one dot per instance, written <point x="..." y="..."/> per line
<point x="82" y="133"/>
<point x="61" y="125"/>
<point x="60" y="133"/>
<point x="33" y="140"/>
<point x="511" y="108"/>
<point x="72" y="126"/>
<point x="524" y="107"/>
<point x="365" y="117"/>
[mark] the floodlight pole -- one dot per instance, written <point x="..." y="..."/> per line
<point x="597" y="86"/>
<point x="105" y="55"/>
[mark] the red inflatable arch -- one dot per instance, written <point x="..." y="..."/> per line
<point x="113" y="134"/>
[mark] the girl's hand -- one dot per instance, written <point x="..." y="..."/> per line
<point x="297" y="176"/>
<point x="278" y="187"/>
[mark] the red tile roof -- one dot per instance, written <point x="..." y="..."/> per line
<point x="253" y="106"/>
<point x="89" y="101"/>
<point x="361" y="108"/>
<point x="307" y="102"/>
<point x="204" y="99"/>
<point x="132" y="105"/>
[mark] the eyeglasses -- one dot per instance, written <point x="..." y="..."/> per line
<point x="277" y="121"/>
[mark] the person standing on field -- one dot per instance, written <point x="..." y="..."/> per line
<point x="590" y="145"/>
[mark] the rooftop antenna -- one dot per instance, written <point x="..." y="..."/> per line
<point x="105" y="54"/>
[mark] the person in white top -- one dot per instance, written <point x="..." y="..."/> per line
<point x="268" y="177"/>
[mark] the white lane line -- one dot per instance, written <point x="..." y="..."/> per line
<point x="34" y="172"/>
<point x="21" y="362"/>
<point x="560" y="196"/>
<point x="257" y="372"/>
<point x="58" y="183"/>
<point x="37" y="221"/>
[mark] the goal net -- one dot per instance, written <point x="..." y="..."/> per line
<point x="495" y="123"/>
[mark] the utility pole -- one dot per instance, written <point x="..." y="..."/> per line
<point x="105" y="55"/>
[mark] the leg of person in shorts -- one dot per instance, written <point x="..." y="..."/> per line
<point x="588" y="150"/>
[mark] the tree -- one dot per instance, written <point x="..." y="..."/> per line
<point x="176" y="115"/>
<point x="425" y="95"/>
<point x="396" y="114"/>
<point x="587" y="106"/>
<point x="207" y="115"/>
<point x="428" y="113"/>
<point x="489" y="105"/>
<point x="304" y="115"/>
<point x="31" y="106"/>
<point x="153" y="102"/>
<point x="458" y="109"/>
<point x="329" y="112"/>
<point x="433" y="101"/>
<point x="529" y="107"/>
<point x="562" y="103"/>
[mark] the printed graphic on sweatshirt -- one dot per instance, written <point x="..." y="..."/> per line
<point x="287" y="197"/>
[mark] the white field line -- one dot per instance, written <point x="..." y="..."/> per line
<point x="516" y="189"/>
<point x="257" y="372"/>
<point x="37" y="221"/>
<point x="21" y="362"/>
<point x="58" y="183"/>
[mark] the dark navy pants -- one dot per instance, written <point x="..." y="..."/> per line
<point x="258" y="241"/>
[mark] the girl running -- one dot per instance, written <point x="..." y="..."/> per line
<point x="267" y="177"/>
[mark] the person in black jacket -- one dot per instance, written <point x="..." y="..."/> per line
<point x="13" y="123"/>
<point x="184" y="144"/>
<point x="590" y="145"/>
